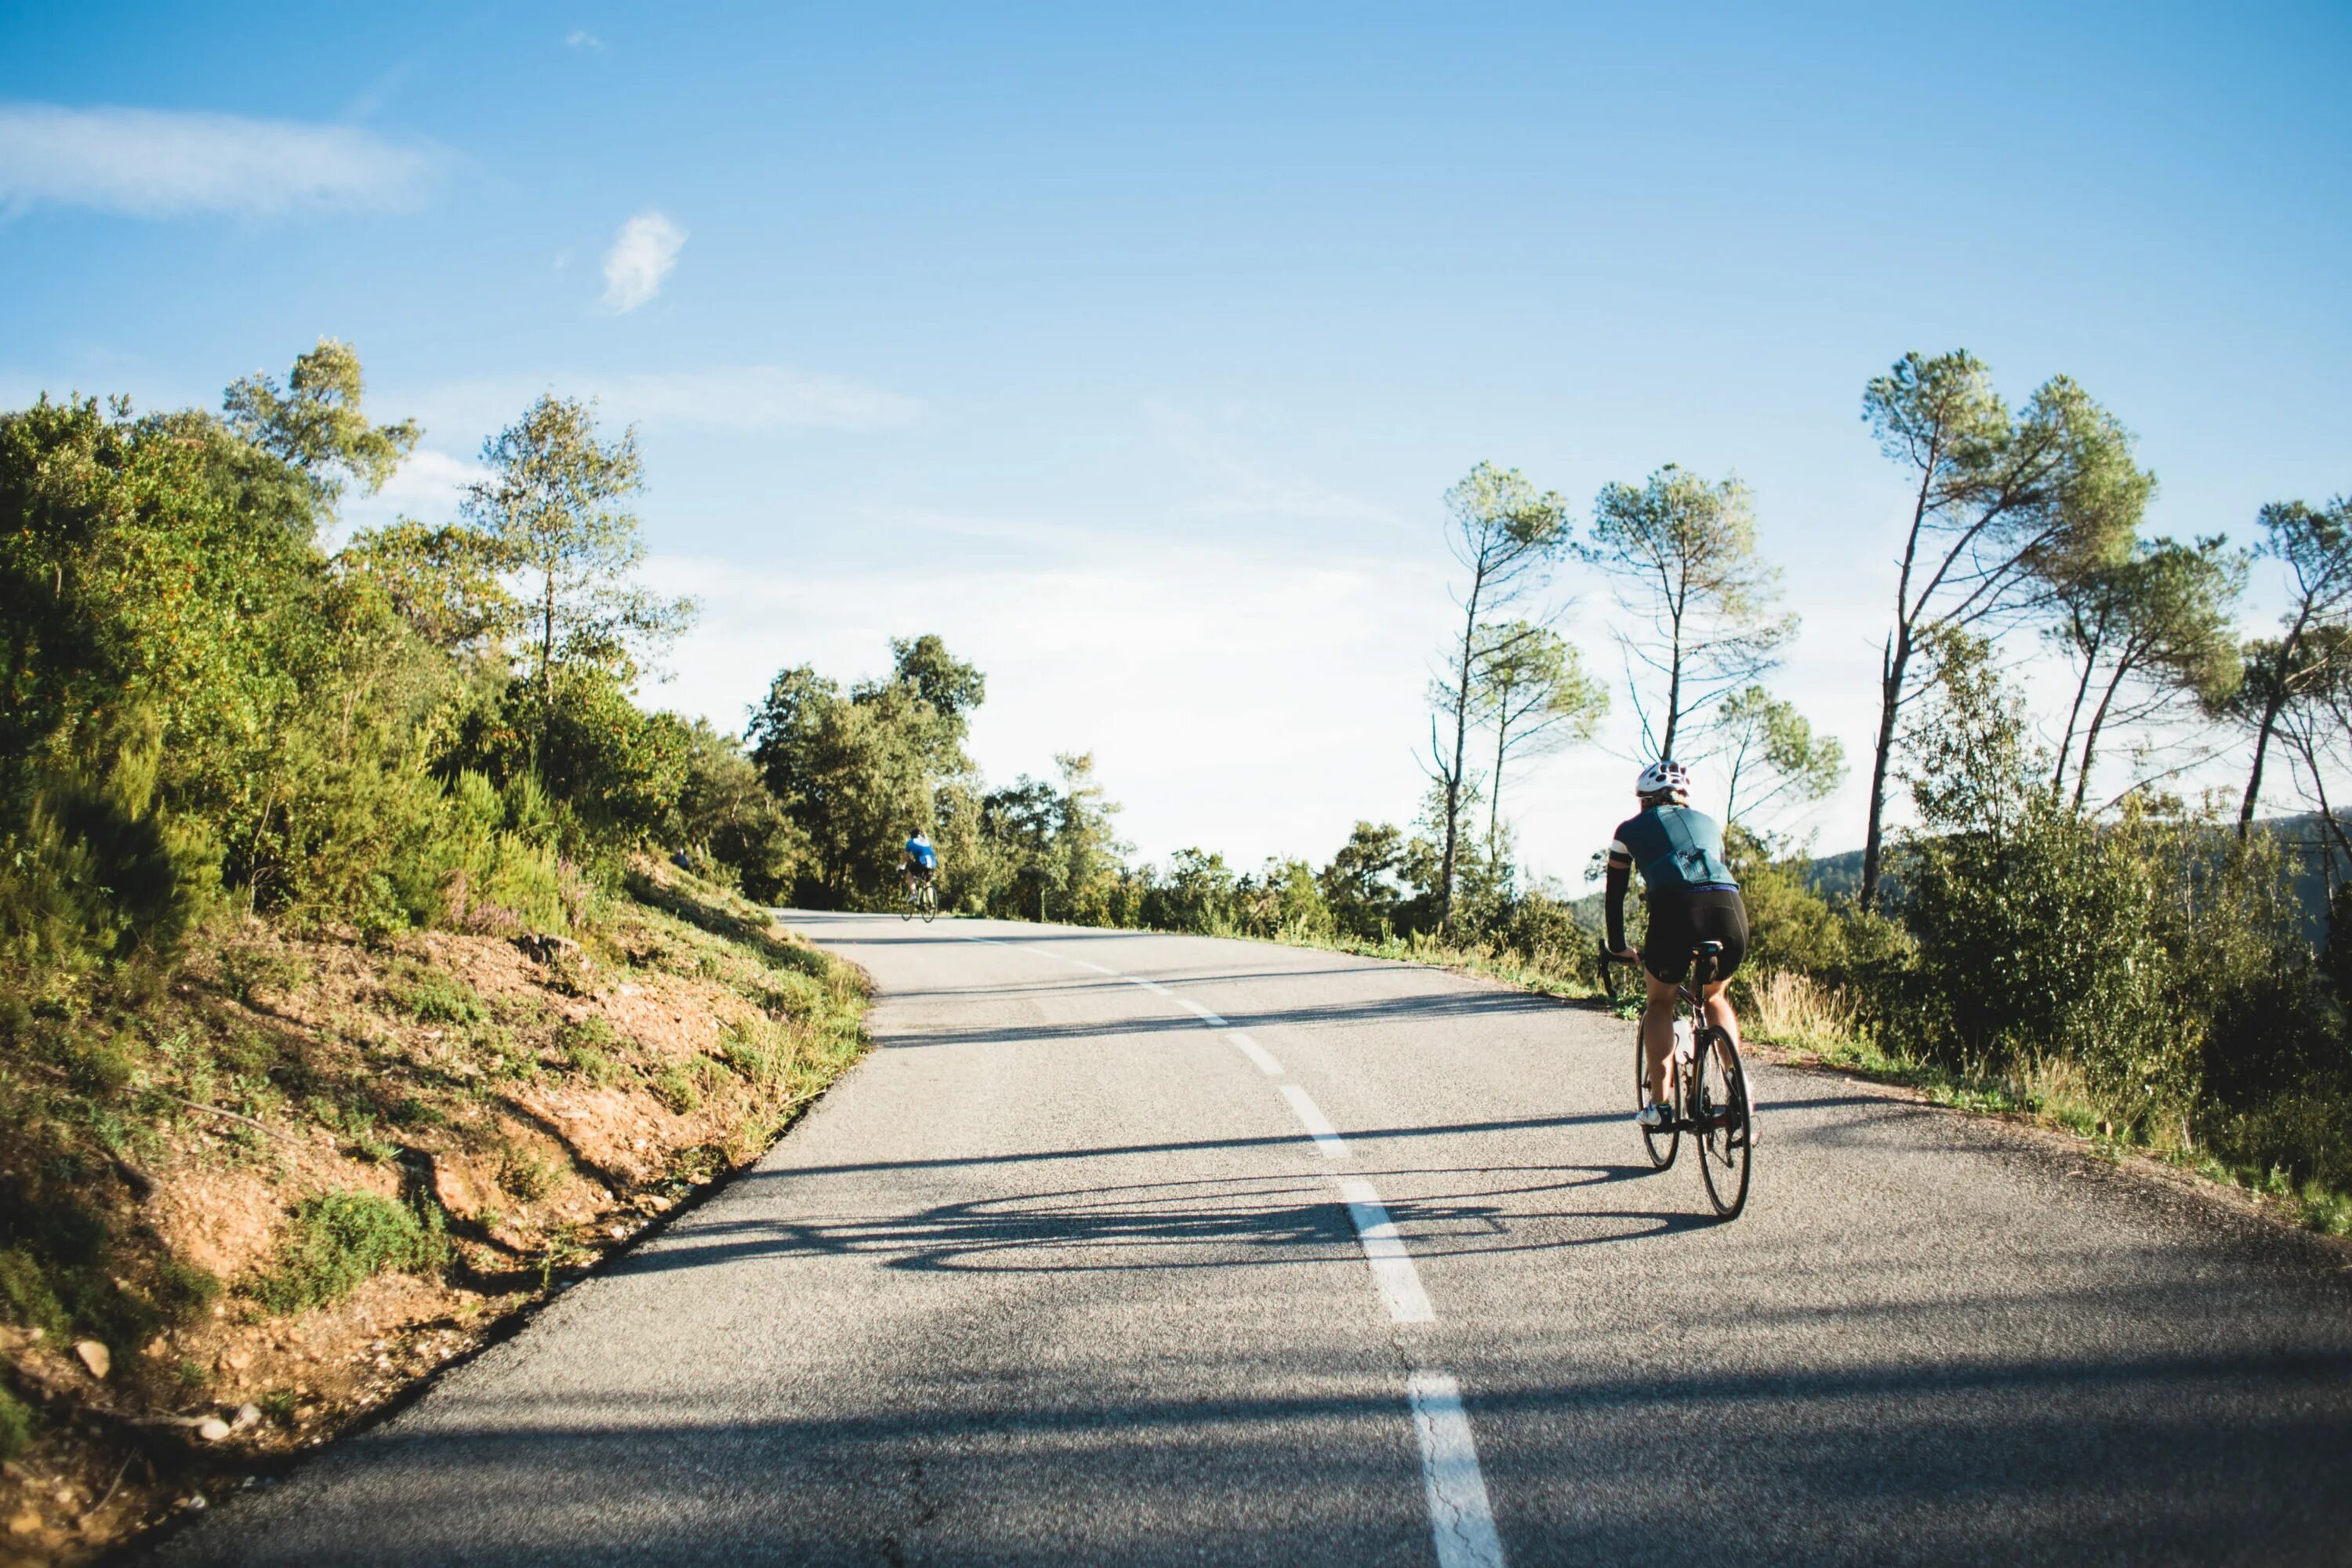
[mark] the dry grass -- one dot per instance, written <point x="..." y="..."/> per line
<point x="1796" y="1009"/>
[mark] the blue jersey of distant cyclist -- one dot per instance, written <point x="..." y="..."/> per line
<point x="920" y="852"/>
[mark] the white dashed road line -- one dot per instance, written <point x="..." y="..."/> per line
<point x="1461" y="1519"/>
<point x="1319" y="1126"/>
<point x="1393" y="1269"/>
<point x="1256" y="1053"/>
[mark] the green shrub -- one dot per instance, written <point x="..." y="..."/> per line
<point x="25" y="1291"/>
<point x="15" y="1425"/>
<point x="678" y="1089"/>
<point x="434" y="997"/>
<point x="343" y="1239"/>
<point x="184" y="1291"/>
<point x="526" y="1174"/>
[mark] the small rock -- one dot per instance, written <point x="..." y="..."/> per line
<point x="212" y="1429"/>
<point x="26" y="1522"/>
<point x="159" y="1346"/>
<point x="247" y="1416"/>
<point x="193" y="1502"/>
<point x="95" y="1356"/>
<point x="238" y="1359"/>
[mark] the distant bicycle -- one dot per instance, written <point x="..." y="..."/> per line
<point x="1707" y="1088"/>
<point x="923" y="900"/>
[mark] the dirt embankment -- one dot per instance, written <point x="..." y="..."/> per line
<point x="313" y="1171"/>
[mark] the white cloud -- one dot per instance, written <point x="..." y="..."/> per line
<point x="1220" y="711"/>
<point x="642" y="256"/>
<point x="428" y="487"/>
<point x="731" y="398"/>
<point x="152" y="164"/>
<point x="755" y="397"/>
<point x="582" y="39"/>
<point x="1244" y="488"/>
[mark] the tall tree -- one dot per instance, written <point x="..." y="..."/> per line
<point x="316" y="430"/>
<point x="2314" y="545"/>
<point x="859" y="773"/>
<point x="1534" y="695"/>
<point x="1361" y="882"/>
<point x="2315" y="725"/>
<point x="1507" y="536"/>
<point x="2145" y="634"/>
<point x="556" y="504"/>
<point x="2003" y="503"/>
<point x="1774" y="755"/>
<point x="1703" y="612"/>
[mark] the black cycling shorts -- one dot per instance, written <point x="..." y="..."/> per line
<point x="1679" y="921"/>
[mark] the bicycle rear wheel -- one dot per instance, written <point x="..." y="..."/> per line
<point x="1661" y="1142"/>
<point x="1723" y="1122"/>
<point x="930" y="906"/>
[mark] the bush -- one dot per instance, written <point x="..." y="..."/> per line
<point x="434" y="997"/>
<point x="1542" y="932"/>
<point x="184" y="1291"/>
<point x="25" y="1291"/>
<point x="678" y="1088"/>
<point x="15" y="1425"/>
<point x="343" y="1239"/>
<point x="2036" y="927"/>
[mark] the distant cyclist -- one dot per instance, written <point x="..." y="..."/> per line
<point x="918" y="861"/>
<point x="1693" y="898"/>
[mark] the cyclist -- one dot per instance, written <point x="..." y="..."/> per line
<point x="918" y="862"/>
<point x="1693" y="898"/>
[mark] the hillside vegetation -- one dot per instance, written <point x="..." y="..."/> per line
<point x="351" y="991"/>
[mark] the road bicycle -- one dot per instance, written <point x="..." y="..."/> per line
<point x="1706" y="1090"/>
<point x="923" y="900"/>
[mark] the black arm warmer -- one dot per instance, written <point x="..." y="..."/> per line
<point x="1614" y="900"/>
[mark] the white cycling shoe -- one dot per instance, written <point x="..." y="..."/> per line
<point x="1655" y="1116"/>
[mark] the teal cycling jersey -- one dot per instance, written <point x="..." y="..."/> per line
<point x="1676" y="850"/>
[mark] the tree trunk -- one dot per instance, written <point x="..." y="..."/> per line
<point x="1495" y="792"/>
<point x="2081" y="688"/>
<point x="2262" y="746"/>
<point x="1673" y="692"/>
<point x="2091" y="736"/>
<point x="1890" y="697"/>
<point x="1451" y="860"/>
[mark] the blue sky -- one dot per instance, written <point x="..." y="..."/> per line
<point x="1132" y="351"/>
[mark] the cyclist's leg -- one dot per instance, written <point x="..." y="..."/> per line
<point x="1658" y="1032"/>
<point x="1665" y="960"/>
<point x="1721" y="918"/>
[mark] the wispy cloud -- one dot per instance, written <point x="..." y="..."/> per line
<point x="1244" y="488"/>
<point x="153" y="163"/>
<point x="642" y="256"/>
<point x="726" y="397"/>
<point x="582" y="39"/>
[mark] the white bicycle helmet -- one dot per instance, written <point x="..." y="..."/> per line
<point x="1664" y="777"/>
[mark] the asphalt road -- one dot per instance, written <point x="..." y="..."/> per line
<point x="1059" y="1275"/>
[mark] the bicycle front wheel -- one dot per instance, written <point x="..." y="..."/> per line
<point x="1725" y="1123"/>
<point x="1662" y="1143"/>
